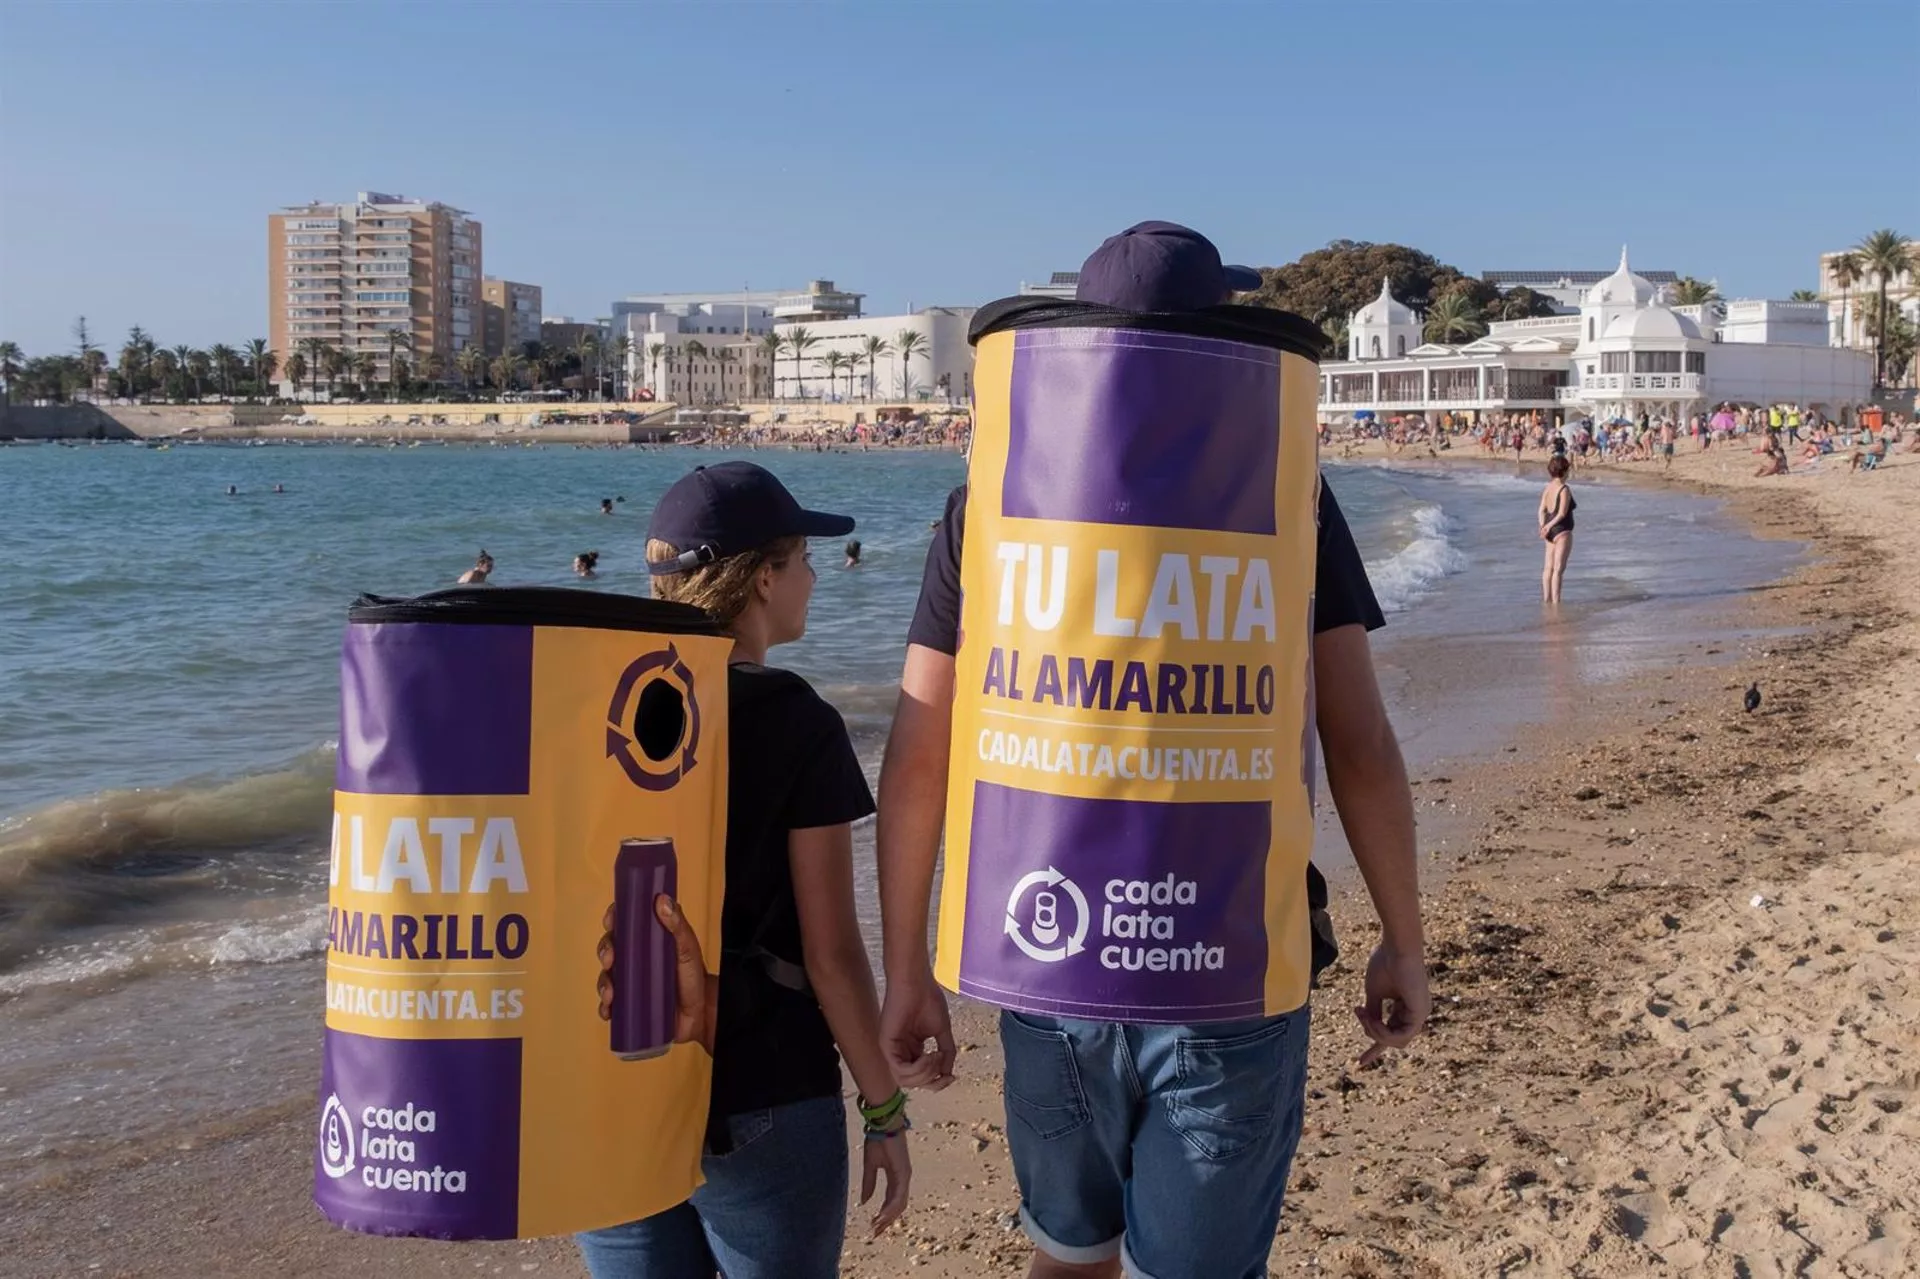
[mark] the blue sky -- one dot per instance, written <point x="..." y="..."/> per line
<point x="927" y="152"/>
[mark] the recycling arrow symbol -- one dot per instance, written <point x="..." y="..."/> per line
<point x="620" y="746"/>
<point x="1071" y="943"/>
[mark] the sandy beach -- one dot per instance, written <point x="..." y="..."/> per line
<point x="1675" y="980"/>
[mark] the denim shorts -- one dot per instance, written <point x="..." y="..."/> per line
<point x="1167" y="1146"/>
<point x="775" y="1207"/>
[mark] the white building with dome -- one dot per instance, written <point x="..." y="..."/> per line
<point x="1626" y="351"/>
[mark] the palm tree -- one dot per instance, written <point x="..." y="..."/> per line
<point x="653" y="366"/>
<point x="10" y="358"/>
<point x="263" y="361"/>
<point x="504" y="369"/>
<point x="1688" y="291"/>
<point x="621" y="349"/>
<point x="723" y="359"/>
<point x="472" y="363"/>
<point x="337" y="363"/>
<point x="1803" y="295"/>
<point x="694" y="350"/>
<point x="315" y="350"/>
<point x="770" y="345"/>
<point x="834" y="362"/>
<point x="433" y="368"/>
<point x="1454" y="318"/>
<point x="182" y="354"/>
<point x="222" y="358"/>
<point x="366" y="367"/>
<point x="873" y="348"/>
<point x="1846" y="272"/>
<point x="798" y="343"/>
<point x="162" y="366"/>
<point x="199" y="367"/>
<point x="1335" y="327"/>
<point x="398" y="340"/>
<point x="1885" y="255"/>
<point x="909" y="343"/>
<point x="669" y="357"/>
<point x="295" y="370"/>
<point x="588" y="349"/>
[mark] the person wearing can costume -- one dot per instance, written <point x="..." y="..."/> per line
<point x="1112" y="696"/>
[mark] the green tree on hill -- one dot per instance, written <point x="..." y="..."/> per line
<point x="1334" y="282"/>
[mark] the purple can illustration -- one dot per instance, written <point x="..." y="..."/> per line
<point x="644" y="998"/>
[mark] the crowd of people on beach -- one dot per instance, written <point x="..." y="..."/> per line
<point x="1786" y="434"/>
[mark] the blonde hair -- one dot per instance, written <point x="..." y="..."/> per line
<point x="724" y="588"/>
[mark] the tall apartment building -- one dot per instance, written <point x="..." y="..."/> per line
<point x="510" y="315"/>
<point x="348" y="274"/>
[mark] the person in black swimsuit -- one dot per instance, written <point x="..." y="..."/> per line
<point x="1556" y="528"/>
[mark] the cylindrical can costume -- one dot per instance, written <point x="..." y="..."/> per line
<point x="1130" y="808"/>
<point x="506" y="756"/>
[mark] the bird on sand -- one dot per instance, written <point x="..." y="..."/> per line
<point x="1753" y="698"/>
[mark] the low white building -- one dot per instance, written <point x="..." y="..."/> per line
<point x="1624" y="352"/>
<point x="923" y="356"/>
<point x="698" y="353"/>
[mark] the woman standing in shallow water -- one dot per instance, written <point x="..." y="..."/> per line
<point x="1556" y="528"/>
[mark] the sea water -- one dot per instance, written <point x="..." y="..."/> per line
<point x="169" y="698"/>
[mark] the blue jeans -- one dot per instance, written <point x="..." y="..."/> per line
<point x="775" y="1207"/>
<point x="1167" y="1146"/>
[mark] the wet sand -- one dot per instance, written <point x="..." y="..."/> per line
<point x="1633" y="1070"/>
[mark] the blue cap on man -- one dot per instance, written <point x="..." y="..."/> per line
<point x="1160" y="266"/>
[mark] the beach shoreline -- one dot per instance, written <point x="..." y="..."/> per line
<point x="1553" y="1122"/>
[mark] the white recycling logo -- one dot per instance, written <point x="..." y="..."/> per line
<point x="1039" y="933"/>
<point x="336" y="1138"/>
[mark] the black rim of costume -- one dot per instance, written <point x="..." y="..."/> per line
<point x="535" y="606"/>
<point x="1253" y="325"/>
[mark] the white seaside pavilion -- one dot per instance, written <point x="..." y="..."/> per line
<point x="1626" y="351"/>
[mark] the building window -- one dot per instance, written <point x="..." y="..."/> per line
<point x="1696" y="361"/>
<point x="1611" y="362"/>
<point x="1589" y="328"/>
<point x="1375" y="346"/>
<point x="1656" y="361"/>
<point x="1400" y="345"/>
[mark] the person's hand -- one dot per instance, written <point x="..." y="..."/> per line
<point x="1397" y="1001"/>
<point x="916" y="1011"/>
<point x="697" y="991"/>
<point x="888" y="1156"/>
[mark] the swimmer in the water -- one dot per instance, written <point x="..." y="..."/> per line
<point x="584" y="562"/>
<point x="279" y="488"/>
<point x="477" y="575"/>
<point x="233" y="490"/>
<point x="853" y="554"/>
<point x="606" y="506"/>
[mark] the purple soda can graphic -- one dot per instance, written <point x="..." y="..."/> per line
<point x="644" y="997"/>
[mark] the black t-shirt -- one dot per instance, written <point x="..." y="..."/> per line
<point x="1342" y="597"/>
<point x="791" y="767"/>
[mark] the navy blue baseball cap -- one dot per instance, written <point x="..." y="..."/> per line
<point x="1160" y="266"/>
<point x="724" y="510"/>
